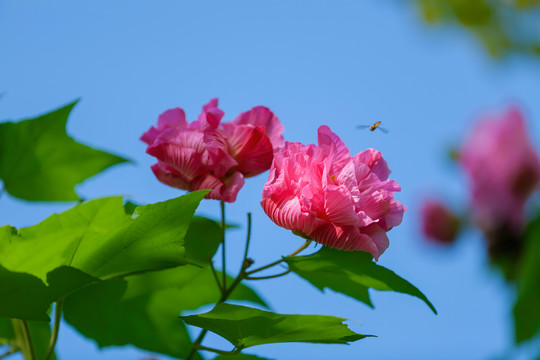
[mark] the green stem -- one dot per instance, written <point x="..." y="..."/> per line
<point x="217" y="351"/>
<point x="248" y="238"/>
<point x="26" y="345"/>
<point x="56" y="328"/>
<point x="223" y="244"/>
<point x="215" y="276"/>
<point x="296" y="252"/>
<point x="269" y="276"/>
<point x="223" y="298"/>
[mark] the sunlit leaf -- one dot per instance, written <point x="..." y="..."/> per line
<point x="245" y="327"/>
<point x="40" y="162"/>
<point x="351" y="273"/>
<point x="143" y="309"/>
<point x="94" y="240"/>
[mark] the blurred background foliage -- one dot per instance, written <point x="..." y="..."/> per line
<point x="504" y="27"/>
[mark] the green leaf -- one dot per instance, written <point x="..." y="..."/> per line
<point x="245" y="327"/>
<point x="189" y="286"/>
<point x="40" y="162"/>
<point x="202" y="240"/>
<point x="351" y="273"/>
<point x="23" y="296"/>
<point x="94" y="240"/>
<point x="239" y="357"/>
<point x="143" y="309"/>
<point x="526" y="315"/>
<point x="6" y="331"/>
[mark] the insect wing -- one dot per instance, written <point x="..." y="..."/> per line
<point x="363" y="127"/>
<point x="383" y="129"/>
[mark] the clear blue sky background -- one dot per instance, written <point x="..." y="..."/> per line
<point x="312" y="62"/>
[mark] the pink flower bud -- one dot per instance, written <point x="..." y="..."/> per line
<point x="503" y="169"/>
<point x="324" y="194"/>
<point x="438" y="222"/>
<point x="208" y="155"/>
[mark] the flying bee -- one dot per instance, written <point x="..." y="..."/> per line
<point x="373" y="127"/>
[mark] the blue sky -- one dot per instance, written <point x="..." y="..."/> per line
<point x="312" y="62"/>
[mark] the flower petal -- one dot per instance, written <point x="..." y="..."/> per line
<point x="169" y="119"/>
<point x="250" y="147"/>
<point x="335" y="147"/>
<point x="262" y="116"/>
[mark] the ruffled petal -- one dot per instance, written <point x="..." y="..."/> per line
<point x="250" y="147"/>
<point x="288" y="213"/>
<point x="263" y="117"/>
<point x="220" y="191"/>
<point x="344" y="238"/>
<point x="378" y="237"/>
<point x="210" y="116"/>
<point x="232" y="186"/>
<point x="335" y="147"/>
<point x="173" y="118"/>
<point x="339" y="209"/>
<point x="374" y="160"/>
<point x="185" y="161"/>
<point x="168" y="177"/>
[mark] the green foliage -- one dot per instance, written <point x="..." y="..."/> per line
<point x="6" y="331"/>
<point x="91" y="241"/>
<point x="526" y="314"/>
<point x="23" y="296"/>
<point x="40" y="162"/>
<point x="245" y="327"/>
<point x="202" y="240"/>
<point x="143" y="309"/>
<point x="504" y="27"/>
<point x="351" y="273"/>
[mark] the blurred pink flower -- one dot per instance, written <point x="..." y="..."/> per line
<point x="438" y="222"/>
<point x="323" y="193"/>
<point x="208" y="155"/>
<point x="503" y="169"/>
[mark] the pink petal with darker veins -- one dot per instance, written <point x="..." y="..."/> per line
<point x="210" y="116"/>
<point x="169" y="119"/>
<point x="262" y="116"/>
<point x="250" y="147"/>
<point x="338" y="201"/>
<point x="337" y="150"/>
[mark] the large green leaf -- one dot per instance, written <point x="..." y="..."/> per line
<point x="202" y="240"/>
<point x="6" y="331"/>
<point x="526" y="314"/>
<point x="143" y="309"/>
<point x="94" y="240"/>
<point x="23" y="296"/>
<point x="351" y="273"/>
<point x="245" y="327"/>
<point x="40" y="162"/>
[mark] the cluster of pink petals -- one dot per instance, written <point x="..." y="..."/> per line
<point x="209" y="155"/>
<point x="323" y="193"/>
<point x="503" y="168"/>
<point x="438" y="222"/>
